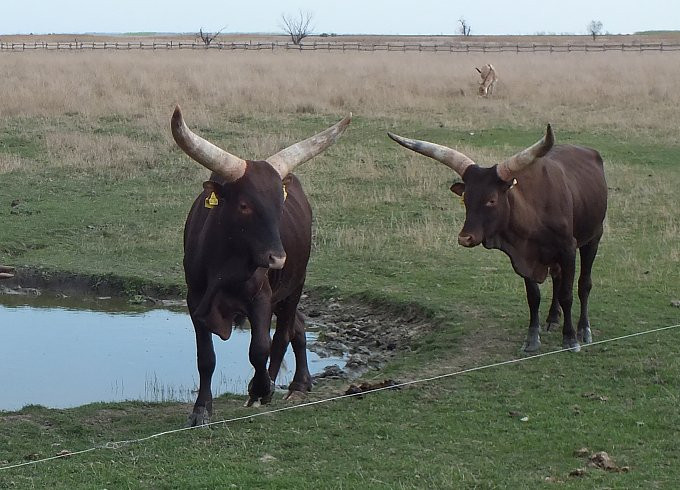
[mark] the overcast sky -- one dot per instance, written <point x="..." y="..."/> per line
<point x="341" y="17"/>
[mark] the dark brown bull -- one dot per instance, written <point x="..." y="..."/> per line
<point x="538" y="207"/>
<point x="247" y="241"/>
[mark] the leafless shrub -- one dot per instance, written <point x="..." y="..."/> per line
<point x="464" y="27"/>
<point x="297" y="27"/>
<point x="207" y="37"/>
<point x="594" y="28"/>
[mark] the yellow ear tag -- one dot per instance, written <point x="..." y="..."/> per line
<point x="285" y="192"/>
<point x="462" y="199"/>
<point x="212" y="201"/>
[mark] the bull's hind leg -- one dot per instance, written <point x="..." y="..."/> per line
<point x="566" y="298"/>
<point x="279" y="345"/>
<point x="533" y="340"/>
<point x="553" y="320"/>
<point x="302" y="381"/>
<point x="290" y="329"/>
<point x="585" y="284"/>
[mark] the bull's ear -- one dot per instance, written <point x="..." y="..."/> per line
<point x="212" y="186"/>
<point x="458" y="188"/>
<point x="509" y="185"/>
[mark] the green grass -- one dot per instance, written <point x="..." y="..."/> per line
<point x="385" y="228"/>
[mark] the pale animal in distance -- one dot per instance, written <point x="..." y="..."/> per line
<point x="489" y="79"/>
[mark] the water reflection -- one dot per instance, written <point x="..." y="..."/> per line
<point x="63" y="357"/>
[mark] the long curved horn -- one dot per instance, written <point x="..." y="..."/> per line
<point x="516" y="163"/>
<point x="6" y="272"/>
<point x="448" y="156"/>
<point x="204" y="152"/>
<point x="287" y="159"/>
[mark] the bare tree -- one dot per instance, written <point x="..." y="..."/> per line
<point x="464" y="28"/>
<point x="208" y="37"/>
<point x="297" y="27"/>
<point x="594" y="28"/>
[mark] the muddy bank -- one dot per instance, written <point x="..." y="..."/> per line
<point x="89" y="286"/>
<point x="370" y="333"/>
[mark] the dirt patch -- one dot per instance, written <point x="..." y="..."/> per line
<point x="370" y="387"/>
<point x="370" y="334"/>
<point x="600" y="460"/>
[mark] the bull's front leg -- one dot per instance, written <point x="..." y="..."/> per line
<point x="533" y="340"/>
<point x="261" y="387"/>
<point x="205" y="355"/>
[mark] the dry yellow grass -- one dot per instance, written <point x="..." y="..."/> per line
<point x="622" y="95"/>
<point x="625" y="93"/>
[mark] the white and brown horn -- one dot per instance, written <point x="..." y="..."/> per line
<point x="516" y="163"/>
<point x="6" y="272"/>
<point x="204" y="152"/>
<point x="285" y="161"/>
<point x="448" y="156"/>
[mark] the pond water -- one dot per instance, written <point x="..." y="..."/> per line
<point x="62" y="357"/>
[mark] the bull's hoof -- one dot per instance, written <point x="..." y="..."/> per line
<point x="295" y="396"/>
<point x="252" y="402"/>
<point x="585" y="336"/>
<point x="550" y="325"/>
<point x="255" y="401"/>
<point x="199" y="416"/>
<point x="572" y="345"/>
<point x="531" y="345"/>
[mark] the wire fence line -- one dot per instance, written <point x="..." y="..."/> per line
<point x="342" y="46"/>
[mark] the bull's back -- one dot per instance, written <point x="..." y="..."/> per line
<point x="583" y="172"/>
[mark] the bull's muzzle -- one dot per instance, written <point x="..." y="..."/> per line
<point x="467" y="240"/>
<point x="277" y="261"/>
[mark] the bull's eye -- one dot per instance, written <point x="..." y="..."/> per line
<point x="491" y="202"/>
<point x="244" y="208"/>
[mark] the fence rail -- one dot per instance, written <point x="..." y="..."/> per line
<point x="344" y="46"/>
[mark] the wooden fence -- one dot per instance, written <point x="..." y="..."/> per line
<point x="344" y="46"/>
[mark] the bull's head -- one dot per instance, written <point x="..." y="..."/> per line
<point x="484" y="189"/>
<point x="250" y="194"/>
